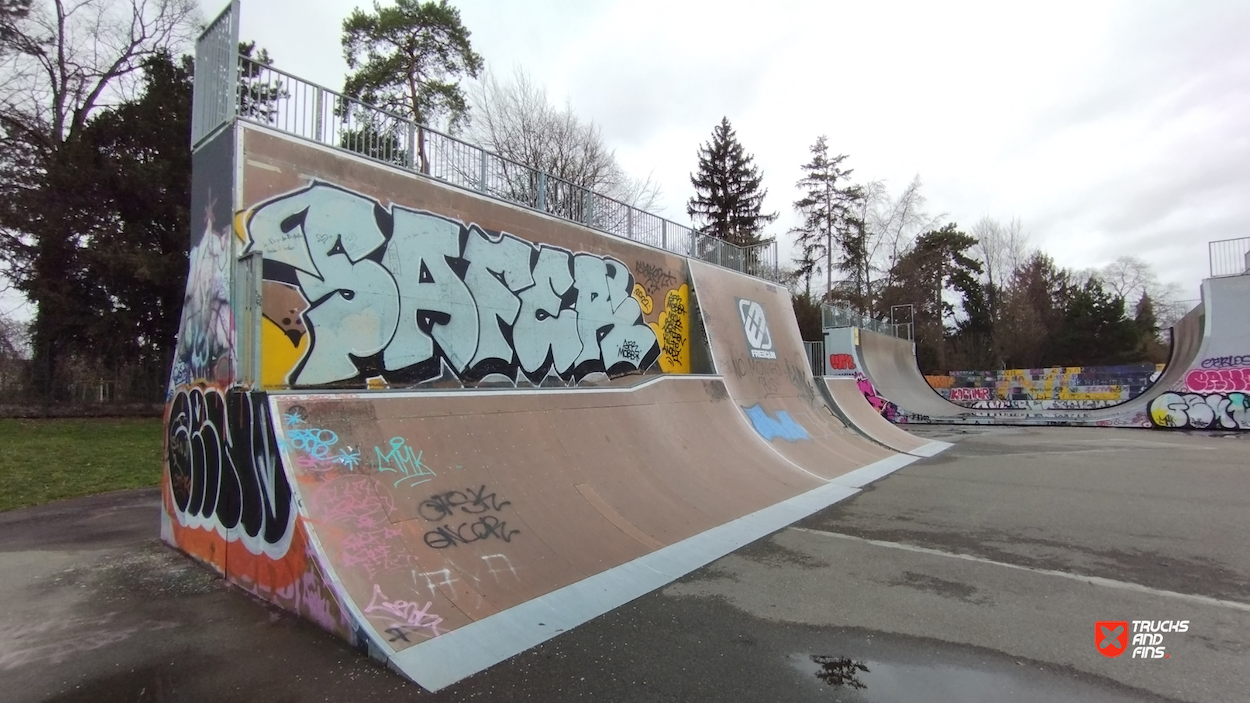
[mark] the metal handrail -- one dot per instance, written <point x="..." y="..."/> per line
<point x="833" y="316"/>
<point x="280" y="100"/>
<point x="1229" y="257"/>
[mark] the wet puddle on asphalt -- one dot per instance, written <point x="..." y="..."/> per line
<point x="853" y="680"/>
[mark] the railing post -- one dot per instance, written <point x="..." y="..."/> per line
<point x="664" y="234"/>
<point x="319" y="118"/>
<point x="481" y="183"/>
<point x="776" y="257"/>
<point x="411" y="158"/>
<point x="629" y="222"/>
<point x="542" y="191"/>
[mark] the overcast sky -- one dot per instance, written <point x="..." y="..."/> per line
<point x="1108" y="128"/>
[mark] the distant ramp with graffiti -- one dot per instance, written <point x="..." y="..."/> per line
<point x="1205" y="385"/>
<point x="756" y="348"/>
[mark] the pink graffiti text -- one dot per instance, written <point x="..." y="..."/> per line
<point x="1218" y="381"/>
<point x="403" y="613"/>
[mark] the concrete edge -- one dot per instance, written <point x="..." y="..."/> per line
<point x="931" y="449"/>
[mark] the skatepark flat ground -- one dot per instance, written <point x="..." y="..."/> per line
<point x="976" y="575"/>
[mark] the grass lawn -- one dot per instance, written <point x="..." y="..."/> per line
<point x="45" y="460"/>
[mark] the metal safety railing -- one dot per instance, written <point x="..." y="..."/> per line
<point x="1229" y="257"/>
<point x="833" y="316"/>
<point x="815" y="357"/>
<point x="229" y="85"/>
<point x="212" y="102"/>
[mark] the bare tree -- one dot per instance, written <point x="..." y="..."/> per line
<point x="1130" y="278"/>
<point x="67" y="59"/>
<point x="1002" y="248"/>
<point x="515" y="119"/>
<point x="894" y="223"/>
<point x="61" y="62"/>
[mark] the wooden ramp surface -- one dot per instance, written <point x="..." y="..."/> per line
<point x="462" y="527"/>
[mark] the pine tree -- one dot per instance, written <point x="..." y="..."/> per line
<point x="728" y="197"/>
<point x="831" y="230"/>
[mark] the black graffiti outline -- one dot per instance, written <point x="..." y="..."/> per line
<point x="470" y="501"/>
<point x="1224" y="362"/>
<point x="223" y="462"/>
<point x="483" y="528"/>
<point x="654" y="279"/>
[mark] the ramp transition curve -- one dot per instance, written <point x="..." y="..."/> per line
<point x="1203" y="386"/>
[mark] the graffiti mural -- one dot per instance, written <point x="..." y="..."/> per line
<point x="1213" y="411"/>
<point x="206" y="331"/>
<point x="1224" y="362"/>
<point x="414" y="297"/>
<point x="957" y="394"/>
<point x="1218" y="381"/>
<point x="224" y="472"/>
<point x="781" y="426"/>
<point x="885" y="408"/>
<point x="841" y="362"/>
<point x="1056" y="388"/>
<point x="673" y="331"/>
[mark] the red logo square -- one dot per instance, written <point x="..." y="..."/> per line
<point x="1111" y="637"/>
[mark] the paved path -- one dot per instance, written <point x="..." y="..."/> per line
<point x="973" y="576"/>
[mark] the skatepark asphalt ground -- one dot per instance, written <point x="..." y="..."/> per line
<point x="960" y="578"/>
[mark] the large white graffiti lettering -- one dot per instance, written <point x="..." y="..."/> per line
<point x="1201" y="412"/>
<point x="206" y="332"/>
<point x="412" y="295"/>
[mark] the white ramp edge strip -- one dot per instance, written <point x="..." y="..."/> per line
<point x="931" y="449"/>
<point x="450" y="657"/>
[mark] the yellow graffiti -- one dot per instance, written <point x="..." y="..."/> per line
<point x="644" y="300"/>
<point x="240" y="225"/>
<point x="1160" y="414"/>
<point x="673" y="331"/>
<point x="278" y="355"/>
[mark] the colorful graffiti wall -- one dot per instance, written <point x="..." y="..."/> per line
<point x="1214" y="396"/>
<point x="1058" y="388"/>
<point x="370" y="278"/>
<point x="395" y="282"/>
<point x="225" y="495"/>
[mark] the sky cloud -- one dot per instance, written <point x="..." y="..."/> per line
<point x="1108" y="128"/>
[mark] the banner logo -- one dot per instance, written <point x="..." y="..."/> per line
<point x="755" y="325"/>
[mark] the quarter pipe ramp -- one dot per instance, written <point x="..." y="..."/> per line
<point x="1203" y="386"/>
<point x="447" y="428"/>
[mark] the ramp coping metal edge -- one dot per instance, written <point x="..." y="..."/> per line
<point x="453" y="656"/>
<point x="377" y="393"/>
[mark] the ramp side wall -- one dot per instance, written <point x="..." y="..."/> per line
<point x="380" y="278"/>
<point x="1213" y="392"/>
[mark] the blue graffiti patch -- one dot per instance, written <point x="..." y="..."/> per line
<point x="782" y="426"/>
